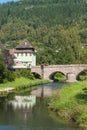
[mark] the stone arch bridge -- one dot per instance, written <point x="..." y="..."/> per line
<point x="70" y="71"/>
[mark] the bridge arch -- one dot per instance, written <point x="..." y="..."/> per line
<point x="82" y="75"/>
<point x="51" y="75"/>
<point x="36" y="75"/>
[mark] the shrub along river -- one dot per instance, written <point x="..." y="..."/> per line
<point x="33" y="114"/>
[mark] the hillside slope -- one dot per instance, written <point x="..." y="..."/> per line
<point x="48" y="25"/>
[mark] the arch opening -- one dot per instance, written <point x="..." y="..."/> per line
<point x="82" y="75"/>
<point x="58" y="77"/>
<point x="36" y="75"/>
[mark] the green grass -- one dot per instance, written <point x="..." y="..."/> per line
<point x="21" y="85"/>
<point x="71" y="103"/>
<point x="19" y="82"/>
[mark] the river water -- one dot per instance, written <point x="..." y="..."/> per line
<point x="34" y="117"/>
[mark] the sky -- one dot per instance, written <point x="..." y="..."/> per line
<point x="4" y="1"/>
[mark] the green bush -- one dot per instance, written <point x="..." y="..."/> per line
<point x="17" y="74"/>
<point x="25" y="73"/>
<point x="8" y="76"/>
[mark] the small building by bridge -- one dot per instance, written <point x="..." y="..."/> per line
<point x="24" y="55"/>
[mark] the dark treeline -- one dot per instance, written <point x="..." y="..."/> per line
<point x="57" y="28"/>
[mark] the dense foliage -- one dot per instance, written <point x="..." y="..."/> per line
<point x="57" y="28"/>
<point x="5" y="75"/>
<point x="26" y="73"/>
<point x="2" y="68"/>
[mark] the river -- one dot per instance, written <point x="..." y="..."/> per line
<point x="36" y="117"/>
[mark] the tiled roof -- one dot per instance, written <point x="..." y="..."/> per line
<point x="25" y="44"/>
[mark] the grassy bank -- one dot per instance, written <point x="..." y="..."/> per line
<point x="21" y="83"/>
<point x="71" y="103"/>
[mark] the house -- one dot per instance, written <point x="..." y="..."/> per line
<point x="24" y="55"/>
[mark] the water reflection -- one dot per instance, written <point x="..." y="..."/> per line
<point x="47" y="90"/>
<point x="23" y="102"/>
<point x="43" y="92"/>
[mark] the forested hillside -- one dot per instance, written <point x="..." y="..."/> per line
<point x="57" y="28"/>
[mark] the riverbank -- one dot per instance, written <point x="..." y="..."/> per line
<point x="19" y="84"/>
<point x="71" y="103"/>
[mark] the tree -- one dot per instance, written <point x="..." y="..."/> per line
<point x="2" y="68"/>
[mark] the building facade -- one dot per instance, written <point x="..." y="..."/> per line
<point x="24" y="55"/>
